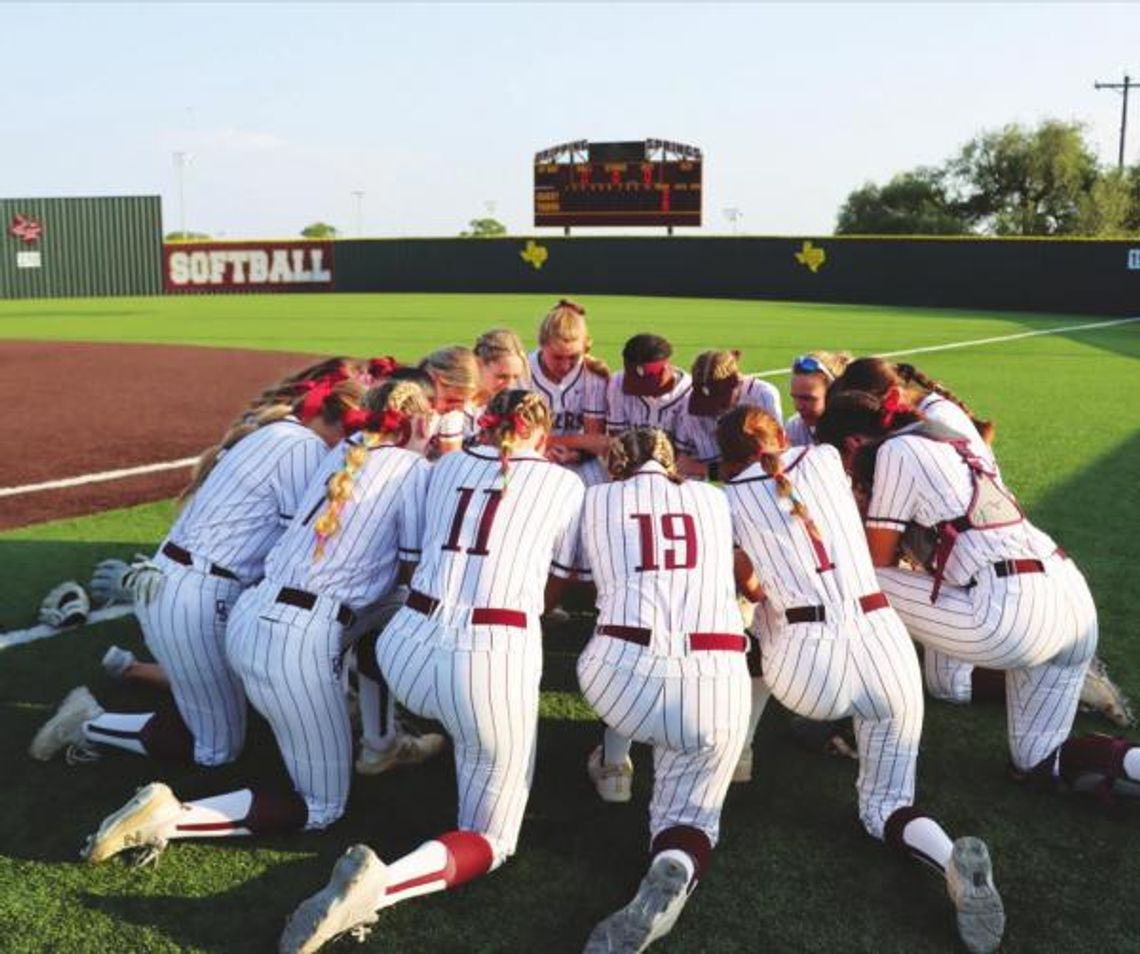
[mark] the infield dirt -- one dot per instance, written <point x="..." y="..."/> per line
<point x="80" y="408"/>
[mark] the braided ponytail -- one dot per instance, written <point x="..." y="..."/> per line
<point x="634" y="447"/>
<point x="912" y="376"/>
<point x="385" y="417"/>
<point x="747" y="433"/>
<point x="512" y="415"/>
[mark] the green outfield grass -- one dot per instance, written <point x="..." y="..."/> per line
<point x="794" y="871"/>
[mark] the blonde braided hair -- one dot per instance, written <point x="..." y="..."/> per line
<point x="389" y="410"/>
<point x="634" y="447"/>
<point x="509" y="416"/>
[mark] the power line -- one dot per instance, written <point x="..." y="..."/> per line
<point x="1124" y="88"/>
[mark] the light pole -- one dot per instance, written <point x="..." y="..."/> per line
<point x="358" y="194"/>
<point x="181" y="161"/>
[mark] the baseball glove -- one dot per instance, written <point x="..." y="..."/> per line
<point x="107" y="586"/>
<point x="66" y="605"/>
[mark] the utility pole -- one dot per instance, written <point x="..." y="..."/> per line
<point x="1124" y="89"/>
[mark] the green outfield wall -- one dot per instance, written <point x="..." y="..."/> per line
<point x="1095" y="277"/>
<point x="77" y="247"/>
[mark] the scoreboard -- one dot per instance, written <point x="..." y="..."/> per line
<point x="651" y="182"/>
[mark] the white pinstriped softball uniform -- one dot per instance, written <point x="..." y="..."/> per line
<point x="1039" y="626"/>
<point x="947" y="678"/>
<point x="696" y="436"/>
<point x="289" y="656"/>
<point x="228" y="527"/>
<point x="631" y="410"/>
<point x="467" y="649"/>
<point x="579" y="396"/>
<point x="799" y="433"/>
<point x="856" y="661"/>
<point x="661" y="556"/>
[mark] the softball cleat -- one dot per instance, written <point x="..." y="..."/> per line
<point x="349" y="902"/>
<point x="142" y="824"/>
<point x="406" y="749"/>
<point x="65" y="728"/>
<point x="613" y="782"/>
<point x="970" y="884"/>
<point x="649" y="916"/>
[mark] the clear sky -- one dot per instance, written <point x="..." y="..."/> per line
<point x="435" y="110"/>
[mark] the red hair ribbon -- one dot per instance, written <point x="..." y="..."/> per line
<point x="390" y="421"/>
<point x="488" y="422"/>
<point x="891" y="405"/>
<point x="353" y="420"/>
<point x="316" y="392"/>
<point x="382" y="367"/>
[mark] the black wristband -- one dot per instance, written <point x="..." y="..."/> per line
<point x="714" y="470"/>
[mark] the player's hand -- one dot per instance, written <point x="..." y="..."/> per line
<point x="143" y="580"/>
<point x="563" y="455"/>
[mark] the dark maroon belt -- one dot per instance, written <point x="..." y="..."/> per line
<point x="698" y="642"/>
<point x="179" y="555"/>
<point x="480" y="616"/>
<point x="1017" y="567"/>
<point x="305" y="600"/>
<point x="818" y="614"/>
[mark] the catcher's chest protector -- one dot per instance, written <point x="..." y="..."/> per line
<point x="991" y="506"/>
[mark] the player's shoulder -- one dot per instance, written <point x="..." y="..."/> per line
<point x="757" y="385"/>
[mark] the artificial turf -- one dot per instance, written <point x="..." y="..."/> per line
<point x="794" y="871"/>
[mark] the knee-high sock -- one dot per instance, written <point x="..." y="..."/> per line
<point x="615" y="747"/>
<point x="244" y="812"/>
<point x="760" y="696"/>
<point x="918" y="836"/>
<point x="160" y="734"/>
<point x="377" y="712"/>
<point x="690" y="846"/>
<point x="448" y="861"/>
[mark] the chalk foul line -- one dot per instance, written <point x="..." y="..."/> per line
<point x="984" y="341"/>
<point x="97" y="478"/>
<point x="17" y="637"/>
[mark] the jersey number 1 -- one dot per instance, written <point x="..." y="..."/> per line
<point x="486" y="518"/>
<point x="678" y="527"/>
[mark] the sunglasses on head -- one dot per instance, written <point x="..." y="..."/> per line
<point x="807" y="364"/>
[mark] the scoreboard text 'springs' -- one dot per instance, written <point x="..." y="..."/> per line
<point x="650" y="182"/>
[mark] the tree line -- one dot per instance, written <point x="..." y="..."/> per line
<point x="1010" y="181"/>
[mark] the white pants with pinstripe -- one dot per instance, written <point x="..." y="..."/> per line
<point x="1039" y="627"/>
<point x="290" y="663"/>
<point x="185" y="628"/>
<point x="482" y="683"/>
<point x="858" y="665"/>
<point x="693" y="710"/>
